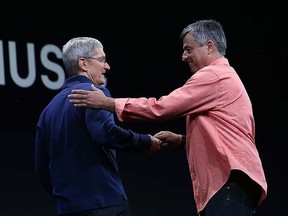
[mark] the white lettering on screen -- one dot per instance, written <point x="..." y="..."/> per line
<point x="30" y="79"/>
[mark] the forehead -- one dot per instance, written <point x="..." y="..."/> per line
<point x="188" y="41"/>
<point x="99" y="52"/>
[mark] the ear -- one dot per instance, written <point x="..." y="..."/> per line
<point x="82" y="64"/>
<point x="210" y="46"/>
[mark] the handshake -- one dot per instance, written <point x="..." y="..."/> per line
<point x="166" y="139"/>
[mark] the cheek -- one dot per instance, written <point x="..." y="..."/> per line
<point x="98" y="76"/>
<point x="199" y="56"/>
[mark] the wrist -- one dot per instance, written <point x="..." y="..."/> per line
<point x="183" y="141"/>
<point x="109" y="104"/>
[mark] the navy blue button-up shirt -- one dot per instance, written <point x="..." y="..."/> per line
<point x="75" y="152"/>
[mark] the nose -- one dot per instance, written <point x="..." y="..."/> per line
<point x="184" y="56"/>
<point x="107" y="66"/>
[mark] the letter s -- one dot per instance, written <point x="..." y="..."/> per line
<point x="54" y="85"/>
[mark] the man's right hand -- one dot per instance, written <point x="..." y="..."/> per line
<point x="156" y="144"/>
<point x="95" y="99"/>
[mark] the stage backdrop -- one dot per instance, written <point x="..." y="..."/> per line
<point x="144" y="51"/>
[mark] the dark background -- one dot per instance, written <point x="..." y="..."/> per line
<point x="141" y="41"/>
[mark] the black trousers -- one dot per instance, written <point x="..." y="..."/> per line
<point x="118" y="210"/>
<point x="238" y="197"/>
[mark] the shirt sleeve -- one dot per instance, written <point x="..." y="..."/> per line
<point x="104" y="131"/>
<point x="198" y="94"/>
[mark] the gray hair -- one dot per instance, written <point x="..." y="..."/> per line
<point x="204" y="30"/>
<point x="76" y="48"/>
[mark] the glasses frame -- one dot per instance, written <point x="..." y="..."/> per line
<point x="102" y="60"/>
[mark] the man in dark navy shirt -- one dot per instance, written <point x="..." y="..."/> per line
<point x="75" y="148"/>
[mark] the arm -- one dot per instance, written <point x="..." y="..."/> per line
<point x="130" y="109"/>
<point x="83" y="98"/>
<point x="42" y="159"/>
<point x="105" y="132"/>
<point x="195" y="96"/>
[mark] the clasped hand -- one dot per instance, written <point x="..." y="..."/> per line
<point x="164" y="140"/>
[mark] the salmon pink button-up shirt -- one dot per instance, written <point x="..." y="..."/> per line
<point x="219" y="127"/>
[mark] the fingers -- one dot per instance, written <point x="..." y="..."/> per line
<point x="156" y="147"/>
<point x="159" y="133"/>
<point x="77" y="103"/>
<point x="164" y="145"/>
<point x="94" y="88"/>
<point x="74" y="96"/>
<point x="80" y="105"/>
<point x="79" y="91"/>
<point x="155" y="144"/>
<point x="80" y="97"/>
<point x="162" y="135"/>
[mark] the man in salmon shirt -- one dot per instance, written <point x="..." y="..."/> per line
<point x="225" y="167"/>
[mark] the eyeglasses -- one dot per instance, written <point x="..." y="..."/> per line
<point x="101" y="60"/>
